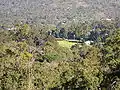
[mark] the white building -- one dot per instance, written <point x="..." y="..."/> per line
<point x="89" y="42"/>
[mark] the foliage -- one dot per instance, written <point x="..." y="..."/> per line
<point x="112" y="49"/>
<point x="15" y="66"/>
<point x="37" y="12"/>
<point x="112" y="59"/>
<point x="53" y="51"/>
<point x="32" y="60"/>
<point x="70" y="75"/>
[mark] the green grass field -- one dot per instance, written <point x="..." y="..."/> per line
<point x="65" y="43"/>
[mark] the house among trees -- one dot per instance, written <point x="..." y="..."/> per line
<point x="98" y="34"/>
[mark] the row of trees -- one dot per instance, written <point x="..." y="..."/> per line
<point x="97" y="31"/>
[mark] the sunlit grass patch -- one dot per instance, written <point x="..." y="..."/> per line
<point x="65" y="43"/>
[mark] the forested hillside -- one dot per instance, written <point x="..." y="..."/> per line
<point x="31" y="59"/>
<point x="54" y="11"/>
<point x="59" y="44"/>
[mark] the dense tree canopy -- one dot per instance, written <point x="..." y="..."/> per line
<point x="30" y="59"/>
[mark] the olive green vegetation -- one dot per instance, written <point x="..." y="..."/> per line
<point x="111" y="60"/>
<point x="32" y="60"/>
<point x="53" y="51"/>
